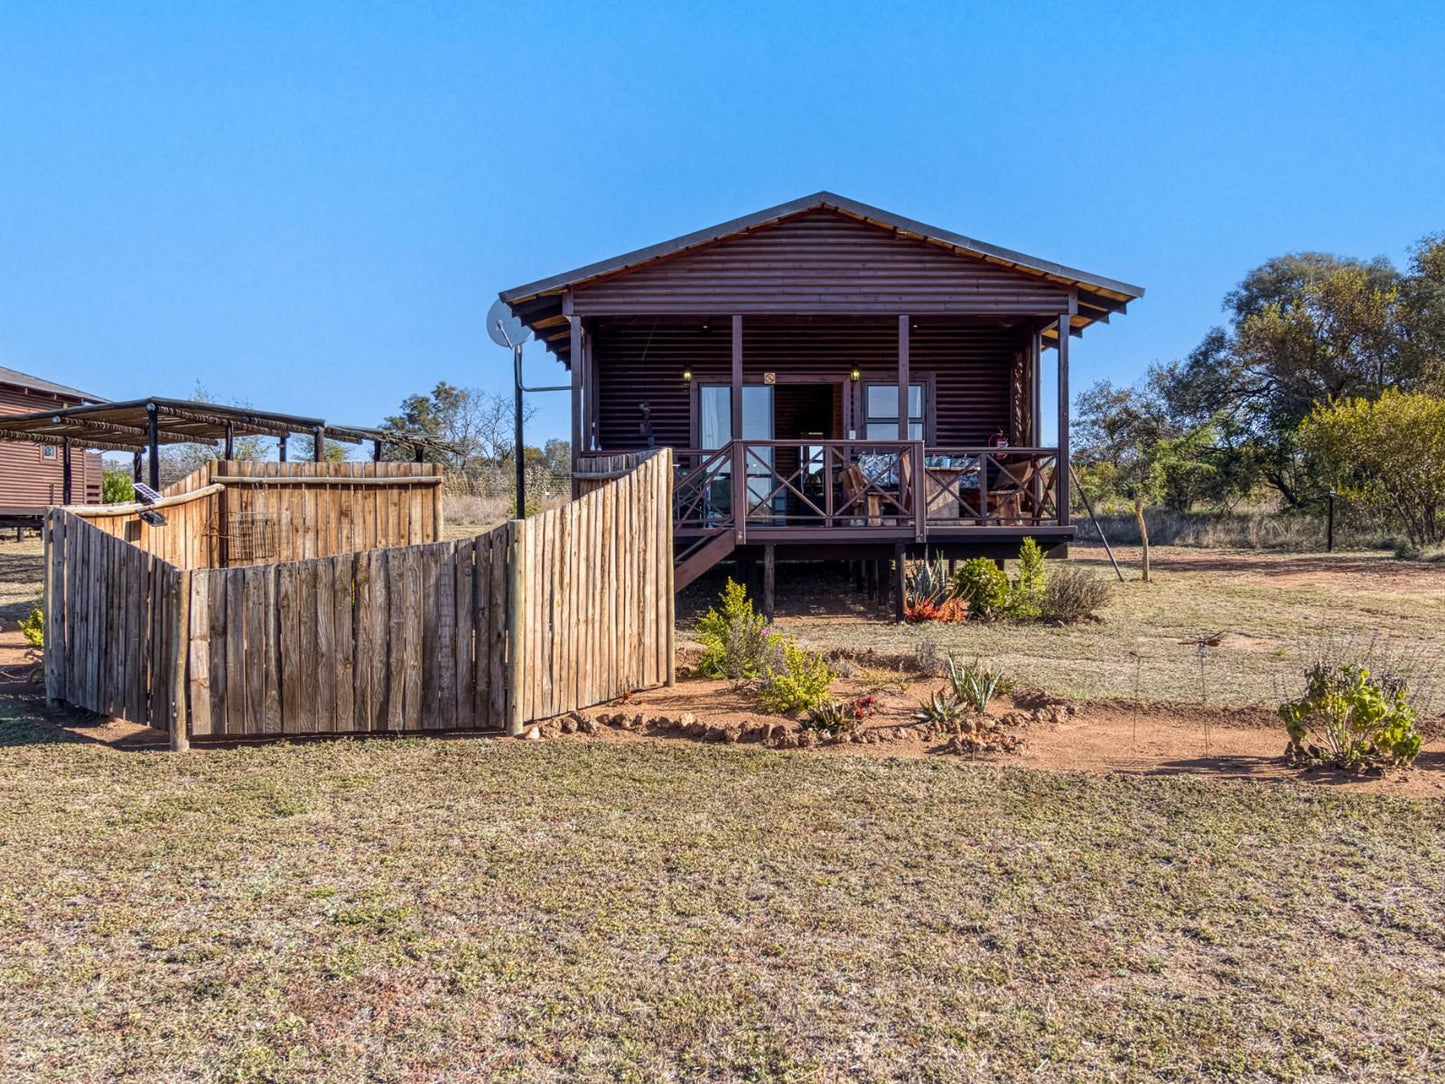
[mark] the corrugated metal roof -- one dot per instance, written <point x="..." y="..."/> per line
<point x="34" y="383"/>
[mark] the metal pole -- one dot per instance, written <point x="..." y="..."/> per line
<point x="281" y="447"/>
<point x="376" y="451"/>
<point x="1330" y="527"/>
<point x="65" y="466"/>
<point x="135" y="465"/>
<point x="154" y="425"/>
<point x="1097" y="525"/>
<point x="318" y="443"/>
<point x="230" y="440"/>
<point x="519" y="449"/>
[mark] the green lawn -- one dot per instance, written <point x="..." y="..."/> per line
<point x="442" y="910"/>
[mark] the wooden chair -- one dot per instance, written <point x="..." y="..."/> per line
<point x="856" y="490"/>
<point x="1010" y="488"/>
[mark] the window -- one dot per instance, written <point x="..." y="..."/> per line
<point x="47" y="451"/>
<point x="880" y="404"/>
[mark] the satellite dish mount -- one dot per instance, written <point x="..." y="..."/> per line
<point x="505" y="329"/>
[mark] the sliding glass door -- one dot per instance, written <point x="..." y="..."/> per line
<point x="715" y="425"/>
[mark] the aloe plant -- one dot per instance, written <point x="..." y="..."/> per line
<point x="974" y="684"/>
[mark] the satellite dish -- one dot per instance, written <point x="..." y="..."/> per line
<point x="504" y="328"/>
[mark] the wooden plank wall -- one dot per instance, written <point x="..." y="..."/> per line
<point x="188" y="540"/>
<point x="530" y="620"/>
<point x="332" y="516"/>
<point x="607" y="464"/>
<point x="402" y="639"/>
<point x="331" y="513"/>
<point x="595" y="616"/>
<point x="109" y="611"/>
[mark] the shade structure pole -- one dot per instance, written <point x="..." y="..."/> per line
<point x="281" y="447"/>
<point x="65" y="467"/>
<point x="318" y="443"/>
<point x="153" y="426"/>
<point x="230" y="440"/>
<point x="135" y="464"/>
<point x="519" y="447"/>
<point x="376" y="451"/>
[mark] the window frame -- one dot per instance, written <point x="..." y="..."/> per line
<point x="924" y="419"/>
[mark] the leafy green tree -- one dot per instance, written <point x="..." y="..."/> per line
<point x="1304" y="328"/>
<point x="116" y="485"/>
<point x="476" y="426"/>
<point x="1128" y="436"/>
<point x="1388" y="453"/>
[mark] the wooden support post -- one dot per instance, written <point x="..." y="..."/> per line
<point x="576" y="363"/>
<point x="181" y="638"/>
<point x="230" y="441"/>
<point x="900" y="579"/>
<point x="376" y="451"/>
<point x="135" y="464"/>
<point x="281" y="447"/>
<point x="65" y="468"/>
<point x="153" y="426"/>
<point x="736" y="401"/>
<point x="1061" y="469"/>
<point x="769" y="568"/>
<point x="318" y="444"/>
<point x="903" y="379"/>
<point x="420" y="454"/>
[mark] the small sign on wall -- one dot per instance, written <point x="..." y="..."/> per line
<point x="770" y="378"/>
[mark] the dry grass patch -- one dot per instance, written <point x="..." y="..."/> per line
<point x="431" y="909"/>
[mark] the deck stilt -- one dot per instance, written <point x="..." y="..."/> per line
<point x="900" y="580"/>
<point x="769" y="563"/>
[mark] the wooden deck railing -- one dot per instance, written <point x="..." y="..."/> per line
<point x="861" y="489"/>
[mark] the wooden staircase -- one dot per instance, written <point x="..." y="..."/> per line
<point x="701" y="556"/>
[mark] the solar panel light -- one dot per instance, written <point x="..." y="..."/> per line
<point x="146" y="494"/>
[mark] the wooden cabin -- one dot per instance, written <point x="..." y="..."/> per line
<point x="34" y="475"/>
<point x="836" y="382"/>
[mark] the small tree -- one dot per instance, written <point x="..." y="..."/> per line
<point x="1389" y="454"/>
<point x="116" y="486"/>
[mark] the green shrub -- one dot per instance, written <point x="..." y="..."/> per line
<point x="797" y="681"/>
<point x="975" y="684"/>
<point x="1026" y="593"/>
<point x="116" y="486"/>
<point x="33" y="625"/>
<point x="1074" y="593"/>
<point x="982" y="585"/>
<point x="1350" y="720"/>
<point x="734" y="638"/>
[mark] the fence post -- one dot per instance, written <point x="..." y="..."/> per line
<point x="516" y="633"/>
<point x="665" y="496"/>
<point x="181" y="634"/>
<point x="438" y="504"/>
<point x="50" y="652"/>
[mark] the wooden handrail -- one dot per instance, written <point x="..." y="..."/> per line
<point x="328" y="480"/>
<point x="136" y="507"/>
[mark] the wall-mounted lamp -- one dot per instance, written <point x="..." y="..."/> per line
<point x="854" y="376"/>
<point x="687" y="376"/>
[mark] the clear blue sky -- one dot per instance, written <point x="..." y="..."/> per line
<point x="310" y="207"/>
